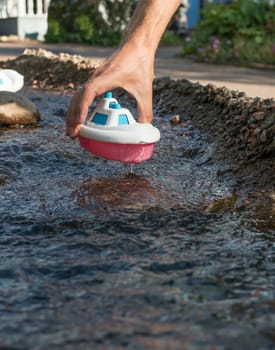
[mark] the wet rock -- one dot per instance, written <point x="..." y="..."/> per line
<point x="16" y="109"/>
<point x="264" y="136"/>
<point x="258" y="115"/>
<point x="222" y="204"/>
<point x="176" y="119"/>
<point x="187" y="133"/>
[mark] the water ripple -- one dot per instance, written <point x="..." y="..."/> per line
<point x="95" y="257"/>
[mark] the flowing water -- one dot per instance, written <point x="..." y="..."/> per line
<point x="98" y="255"/>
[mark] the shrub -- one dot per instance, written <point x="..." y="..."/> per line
<point x="170" y="38"/>
<point x="84" y="30"/>
<point x="241" y="32"/>
<point x="55" y="33"/>
<point x="83" y="22"/>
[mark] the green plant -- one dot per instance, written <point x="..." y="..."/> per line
<point x="92" y="21"/>
<point x="84" y="30"/>
<point x="249" y="51"/>
<point x="237" y="32"/>
<point x="169" y="38"/>
<point x="55" y="32"/>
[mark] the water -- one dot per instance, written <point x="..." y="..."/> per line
<point x="100" y="255"/>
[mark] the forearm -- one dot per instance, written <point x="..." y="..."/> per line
<point x="149" y="21"/>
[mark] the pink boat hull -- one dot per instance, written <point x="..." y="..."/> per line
<point x="125" y="153"/>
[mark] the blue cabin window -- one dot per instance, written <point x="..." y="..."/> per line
<point x="100" y="119"/>
<point x="123" y="119"/>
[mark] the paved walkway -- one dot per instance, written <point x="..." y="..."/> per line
<point x="254" y="82"/>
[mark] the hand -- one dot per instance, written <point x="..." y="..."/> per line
<point x="131" y="68"/>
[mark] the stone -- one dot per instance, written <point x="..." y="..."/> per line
<point x="176" y="119"/>
<point x="264" y="137"/>
<point x="259" y="115"/>
<point x="16" y="109"/>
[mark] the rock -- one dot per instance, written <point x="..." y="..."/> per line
<point x="16" y="109"/>
<point x="259" y="115"/>
<point x="176" y="119"/>
<point x="222" y="204"/>
<point x="263" y="137"/>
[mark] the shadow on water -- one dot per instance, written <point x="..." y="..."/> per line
<point x="94" y="257"/>
<point x="118" y="194"/>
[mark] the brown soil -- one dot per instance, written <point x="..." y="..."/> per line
<point x="43" y="69"/>
<point x="242" y="127"/>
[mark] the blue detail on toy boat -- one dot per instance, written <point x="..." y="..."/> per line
<point x="100" y="118"/>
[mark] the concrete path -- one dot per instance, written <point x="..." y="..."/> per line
<point x="254" y="82"/>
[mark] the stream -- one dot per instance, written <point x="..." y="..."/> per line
<point x="96" y="254"/>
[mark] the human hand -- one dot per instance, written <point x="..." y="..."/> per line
<point x="129" y="68"/>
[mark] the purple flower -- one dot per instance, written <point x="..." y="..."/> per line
<point x="215" y="43"/>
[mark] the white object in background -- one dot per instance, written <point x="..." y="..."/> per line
<point x="10" y="80"/>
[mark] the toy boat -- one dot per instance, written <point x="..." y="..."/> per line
<point x="112" y="133"/>
<point x="10" y="80"/>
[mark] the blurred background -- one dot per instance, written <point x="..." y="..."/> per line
<point x="218" y="31"/>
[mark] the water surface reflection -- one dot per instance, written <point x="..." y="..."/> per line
<point x="95" y="257"/>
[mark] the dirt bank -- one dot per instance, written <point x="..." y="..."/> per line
<point x="242" y="127"/>
<point x="46" y="70"/>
